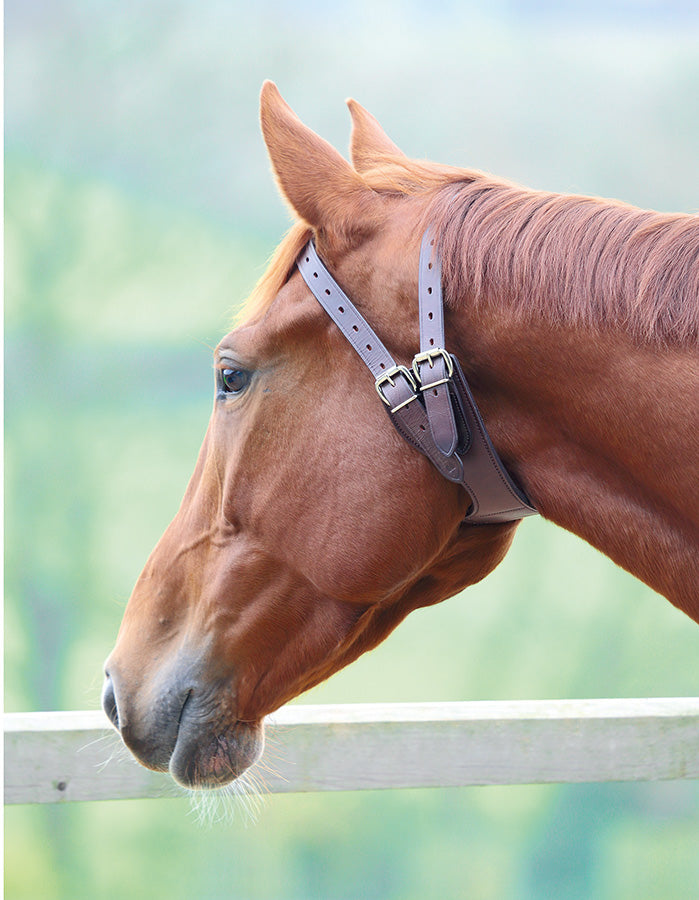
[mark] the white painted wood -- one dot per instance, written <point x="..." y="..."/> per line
<point x="63" y="756"/>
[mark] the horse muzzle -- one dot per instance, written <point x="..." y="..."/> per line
<point x="184" y="726"/>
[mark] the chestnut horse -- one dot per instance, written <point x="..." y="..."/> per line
<point x="310" y="528"/>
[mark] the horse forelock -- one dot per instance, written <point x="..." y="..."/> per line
<point x="276" y="275"/>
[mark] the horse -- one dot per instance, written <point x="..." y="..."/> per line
<point x="311" y="527"/>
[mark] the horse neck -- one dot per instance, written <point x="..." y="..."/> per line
<point x="601" y="429"/>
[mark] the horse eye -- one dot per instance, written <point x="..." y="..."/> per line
<point x="235" y="380"/>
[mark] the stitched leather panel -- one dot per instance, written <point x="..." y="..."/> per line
<point x="495" y="496"/>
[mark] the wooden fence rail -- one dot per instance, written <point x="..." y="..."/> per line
<point x="62" y="756"/>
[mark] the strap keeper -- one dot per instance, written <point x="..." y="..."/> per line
<point x="434" y="384"/>
<point x="404" y="403"/>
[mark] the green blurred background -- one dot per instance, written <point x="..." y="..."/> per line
<point x="139" y="213"/>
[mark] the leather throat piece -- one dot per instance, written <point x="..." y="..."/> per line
<point x="430" y="404"/>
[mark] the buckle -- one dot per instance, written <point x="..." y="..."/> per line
<point x="388" y="377"/>
<point x="429" y="356"/>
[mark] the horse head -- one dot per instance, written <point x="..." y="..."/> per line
<point x="309" y="528"/>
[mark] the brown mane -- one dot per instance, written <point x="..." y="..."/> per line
<point x="570" y="258"/>
<point x="584" y="259"/>
<point x="565" y="257"/>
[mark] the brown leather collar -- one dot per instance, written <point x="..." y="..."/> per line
<point x="430" y="404"/>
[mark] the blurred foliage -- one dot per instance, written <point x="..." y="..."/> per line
<point x="139" y="213"/>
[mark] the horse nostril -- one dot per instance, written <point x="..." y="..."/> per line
<point x="109" y="702"/>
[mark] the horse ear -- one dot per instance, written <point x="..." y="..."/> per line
<point x="319" y="184"/>
<point x="369" y="145"/>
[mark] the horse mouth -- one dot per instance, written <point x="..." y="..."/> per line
<point x="208" y="755"/>
<point x="186" y="729"/>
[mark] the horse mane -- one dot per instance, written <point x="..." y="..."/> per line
<point x="598" y="263"/>
<point x="565" y="257"/>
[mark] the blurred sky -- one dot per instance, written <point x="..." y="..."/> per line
<point x="161" y="97"/>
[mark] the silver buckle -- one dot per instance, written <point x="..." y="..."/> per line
<point x="428" y="356"/>
<point x="388" y="377"/>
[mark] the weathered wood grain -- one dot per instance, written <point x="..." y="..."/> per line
<point x="64" y="756"/>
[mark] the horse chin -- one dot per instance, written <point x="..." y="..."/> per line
<point x="210" y="759"/>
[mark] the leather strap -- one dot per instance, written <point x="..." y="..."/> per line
<point x="431" y="406"/>
<point x="344" y="313"/>
<point x="432" y="365"/>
